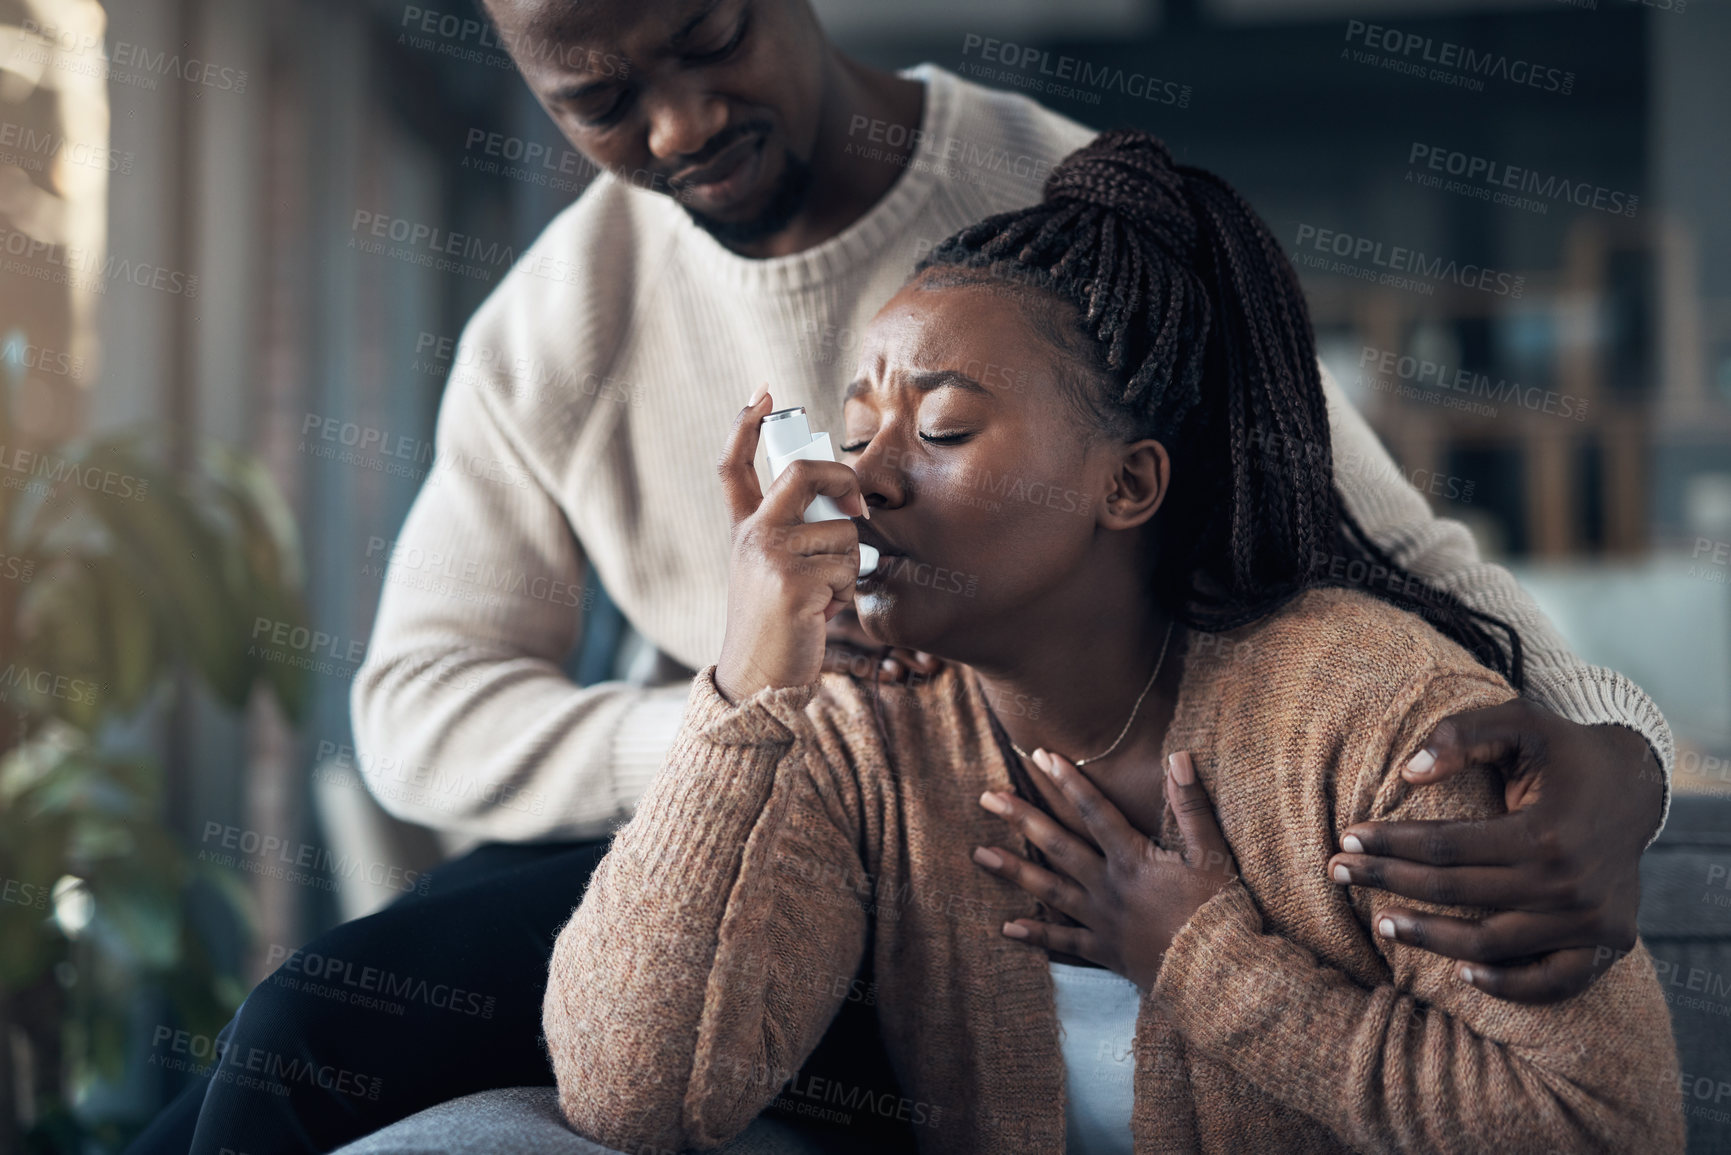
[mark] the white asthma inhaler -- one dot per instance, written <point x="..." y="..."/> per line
<point x="787" y="437"/>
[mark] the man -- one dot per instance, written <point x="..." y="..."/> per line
<point x="766" y="196"/>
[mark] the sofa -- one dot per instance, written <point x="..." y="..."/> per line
<point x="526" y="1121"/>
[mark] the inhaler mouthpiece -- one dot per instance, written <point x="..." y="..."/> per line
<point x="787" y="438"/>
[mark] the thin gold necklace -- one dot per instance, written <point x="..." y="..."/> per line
<point x="1158" y="662"/>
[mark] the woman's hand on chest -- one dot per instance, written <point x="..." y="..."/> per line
<point x="1129" y="896"/>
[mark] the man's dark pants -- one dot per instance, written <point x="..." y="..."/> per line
<point x="326" y="1050"/>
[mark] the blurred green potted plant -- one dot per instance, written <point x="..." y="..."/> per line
<point x="121" y="582"/>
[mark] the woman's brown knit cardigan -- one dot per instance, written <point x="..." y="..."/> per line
<point x="720" y="935"/>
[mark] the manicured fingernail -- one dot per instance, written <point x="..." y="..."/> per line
<point x="994" y="803"/>
<point x="1015" y="930"/>
<point x="1385" y="927"/>
<point x="1044" y="761"/>
<point x="987" y="858"/>
<point x="1466" y="974"/>
<point x="1183" y="772"/>
<point x="888" y="666"/>
<point x="1351" y="844"/>
<point x="1421" y="762"/>
<point x="1342" y="874"/>
<point x="757" y="395"/>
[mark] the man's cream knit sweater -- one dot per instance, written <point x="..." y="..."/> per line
<point x="580" y="427"/>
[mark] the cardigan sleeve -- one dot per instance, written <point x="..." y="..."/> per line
<point x="1422" y="1060"/>
<point x="1440" y="550"/>
<point x="716" y="939"/>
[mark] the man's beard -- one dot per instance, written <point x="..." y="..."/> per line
<point x="789" y="198"/>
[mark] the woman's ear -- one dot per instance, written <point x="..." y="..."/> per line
<point x="1138" y="484"/>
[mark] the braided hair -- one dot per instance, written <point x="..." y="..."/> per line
<point x="1191" y="328"/>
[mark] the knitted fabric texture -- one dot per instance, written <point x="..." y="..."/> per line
<point x="720" y="934"/>
<point x="585" y="408"/>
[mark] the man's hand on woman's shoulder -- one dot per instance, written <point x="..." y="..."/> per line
<point x="1561" y="869"/>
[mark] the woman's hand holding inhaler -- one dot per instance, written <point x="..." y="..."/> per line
<point x="787" y="577"/>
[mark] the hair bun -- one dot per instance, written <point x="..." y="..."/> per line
<point x="1131" y="175"/>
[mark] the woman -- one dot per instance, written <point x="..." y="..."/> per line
<point x="1089" y="441"/>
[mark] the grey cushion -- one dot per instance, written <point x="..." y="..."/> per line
<point x="527" y="1121"/>
<point x="1686" y="923"/>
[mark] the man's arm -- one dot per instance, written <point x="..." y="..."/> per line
<point x="1418" y="1061"/>
<point x="1442" y="551"/>
<point x="1586" y="756"/>
<point x="464" y="719"/>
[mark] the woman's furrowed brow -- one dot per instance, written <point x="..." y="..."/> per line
<point x="925" y="381"/>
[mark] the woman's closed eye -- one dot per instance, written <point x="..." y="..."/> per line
<point x="930" y="438"/>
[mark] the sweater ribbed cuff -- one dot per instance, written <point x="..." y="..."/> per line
<point x="1595" y="696"/>
<point x="769" y="717"/>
